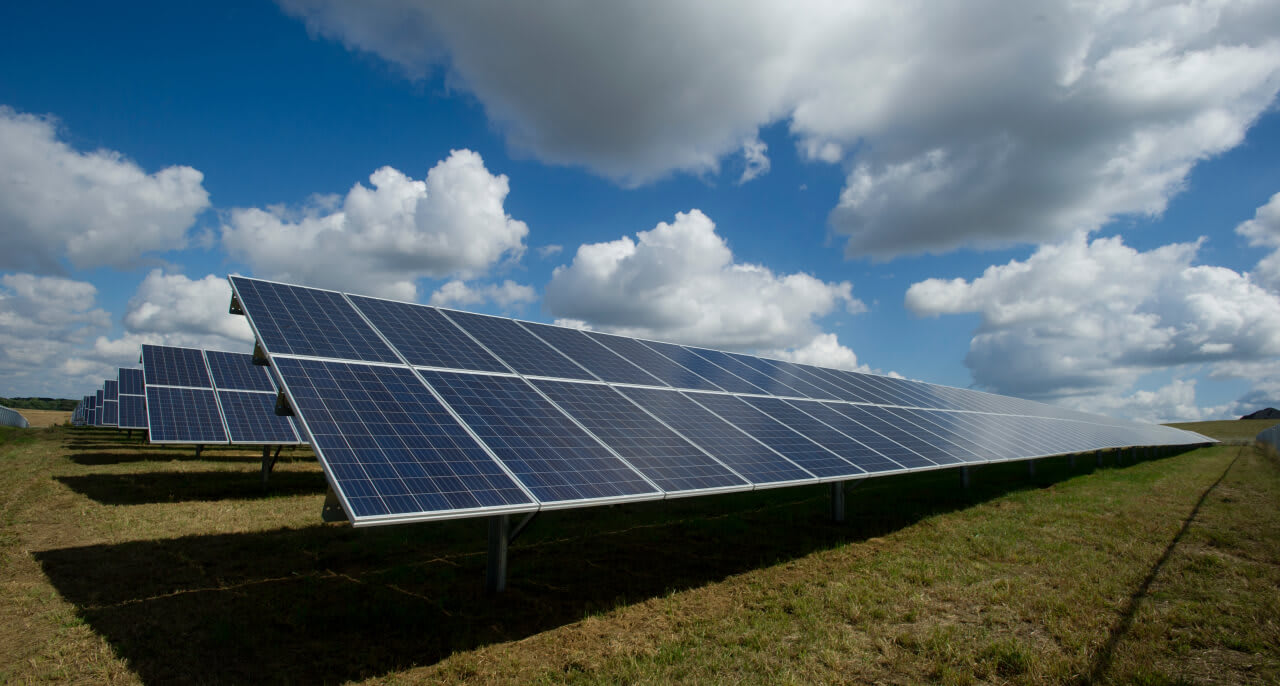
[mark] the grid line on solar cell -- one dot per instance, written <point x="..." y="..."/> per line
<point x="553" y="457"/>
<point x="598" y="359"/>
<point x="655" y="450"/>
<point x="169" y="366"/>
<point x="660" y="366"/>
<point x="521" y="350"/>
<point x="726" y="442"/>
<point x="251" y="418"/>
<point x="859" y="454"/>
<point x="843" y="388"/>
<point x="388" y="443"/>
<point x="110" y="389"/>
<point x="133" y="412"/>
<point x="110" y="412"/>
<point x="424" y="336"/>
<point x="875" y="418"/>
<point x="769" y="431"/>
<point x="1002" y="443"/>
<point x="131" y="381"/>
<point x="826" y="413"/>
<point x="184" y="415"/>
<point x="294" y="320"/>
<point x="703" y="367"/>
<point x="237" y="372"/>
<point x="767" y="383"/>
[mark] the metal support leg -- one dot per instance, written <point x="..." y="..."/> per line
<point x="199" y="449"/>
<point x="495" y="577"/>
<point x="268" y="463"/>
<point x="332" y="510"/>
<point x="1073" y="461"/>
<point x="1031" y="468"/>
<point x="1098" y="453"/>
<point x="964" y="477"/>
<point x="837" y="502"/>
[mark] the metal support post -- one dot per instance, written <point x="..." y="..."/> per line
<point x="837" y="502"/>
<point x="268" y="463"/>
<point x="964" y="477"/>
<point x="495" y="577"/>
<point x="1099" y="455"/>
<point x="1073" y="461"/>
<point x="332" y="510"/>
<point x="1031" y="468"/>
<point x="199" y="449"/>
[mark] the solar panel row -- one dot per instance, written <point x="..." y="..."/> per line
<point x="506" y="416"/>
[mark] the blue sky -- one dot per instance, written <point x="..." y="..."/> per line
<point x="1074" y="205"/>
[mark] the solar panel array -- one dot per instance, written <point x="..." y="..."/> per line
<point x="206" y="397"/>
<point x="421" y="413"/>
<point x="132" y="412"/>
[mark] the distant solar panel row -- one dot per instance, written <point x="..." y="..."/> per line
<point x="419" y="413"/>
<point x="200" y="397"/>
<point x="132" y="411"/>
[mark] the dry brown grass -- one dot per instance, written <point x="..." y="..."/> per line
<point x="122" y="563"/>
<point x="39" y="419"/>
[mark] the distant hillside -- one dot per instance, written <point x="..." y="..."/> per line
<point x="1269" y="413"/>
<point x="39" y="403"/>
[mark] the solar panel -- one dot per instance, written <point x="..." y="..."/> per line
<point x="110" y="389"/>
<point x="727" y="443"/>
<point x="659" y="366"/>
<point x="183" y="415"/>
<point x="668" y="460"/>
<point x="251" y="419"/>
<point x="768" y="383"/>
<point x="857" y="453"/>
<point x="881" y="422"/>
<point x="769" y="431"/>
<point x="884" y="445"/>
<point x="521" y="350"/>
<point x="133" y="412"/>
<point x="170" y="366"/>
<point x="600" y="360"/>
<point x="109" y="412"/>
<point x="237" y="372"/>
<point x="553" y="457"/>
<point x="131" y="381"/>
<point x="388" y="446"/>
<point x="424" y="337"/>
<point x="291" y="320"/>
<point x="788" y="374"/>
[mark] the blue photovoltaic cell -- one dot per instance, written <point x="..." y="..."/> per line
<point x="93" y="418"/>
<point x="984" y="439"/>
<point x="727" y="443"/>
<point x="885" y="424"/>
<point x="860" y="455"/>
<point x="100" y="398"/>
<point x="667" y="459"/>
<point x="131" y="381"/>
<point x="769" y="383"/>
<point x="657" y="365"/>
<point x="110" y="411"/>
<point x="789" y="374"/>
<point x="704" y="368"/>
<point x="584" y="350"/>
<point x="388" y="443"/>
<point x="183" y="415"/>
<point x="946" y="439"/>
<point x="521" y="350"/>
<point x="425" y="337"/>
<point x="251" y="418"/>
<point x="133" y="412"/>
<point x="771" y="432"/>
<point x="552" y="456"/>
<point x="167" y="366"/>
<point x="110" y="389"/>
<point x="309" y="321"/>
<point x="237" y="372"/>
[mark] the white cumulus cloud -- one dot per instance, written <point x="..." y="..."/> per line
<point x="1263" y="231"/>
<point x="961" y="123"/>
<point x="1085" y="318"/>
<point x="679" y="282"/>
<point x="93" y="209"/>
<point x="824" y="350"/>
<point x="506" y="294"/>
<point x="43" y="320"/>
<point x="380" y="240"/>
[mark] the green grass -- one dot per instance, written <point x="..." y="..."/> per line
<point x="1229" y="430"/>
<point x="126" y="563"/>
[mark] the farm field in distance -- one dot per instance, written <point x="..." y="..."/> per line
<point x="126" y="563"/>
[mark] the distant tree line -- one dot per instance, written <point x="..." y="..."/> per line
<point x="39" y="403"/>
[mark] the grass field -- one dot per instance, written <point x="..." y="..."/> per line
<point x="123" y="563"/>
<point x="39" y="419"/>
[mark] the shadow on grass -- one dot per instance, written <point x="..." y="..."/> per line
<point x="329" y="604"/>
<point x="173" y="487"/>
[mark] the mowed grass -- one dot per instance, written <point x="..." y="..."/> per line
<point x="1230" y="430"/>
<point x="124" y="563"/>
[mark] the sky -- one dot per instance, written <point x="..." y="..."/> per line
<point x="1073" y="202"/>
